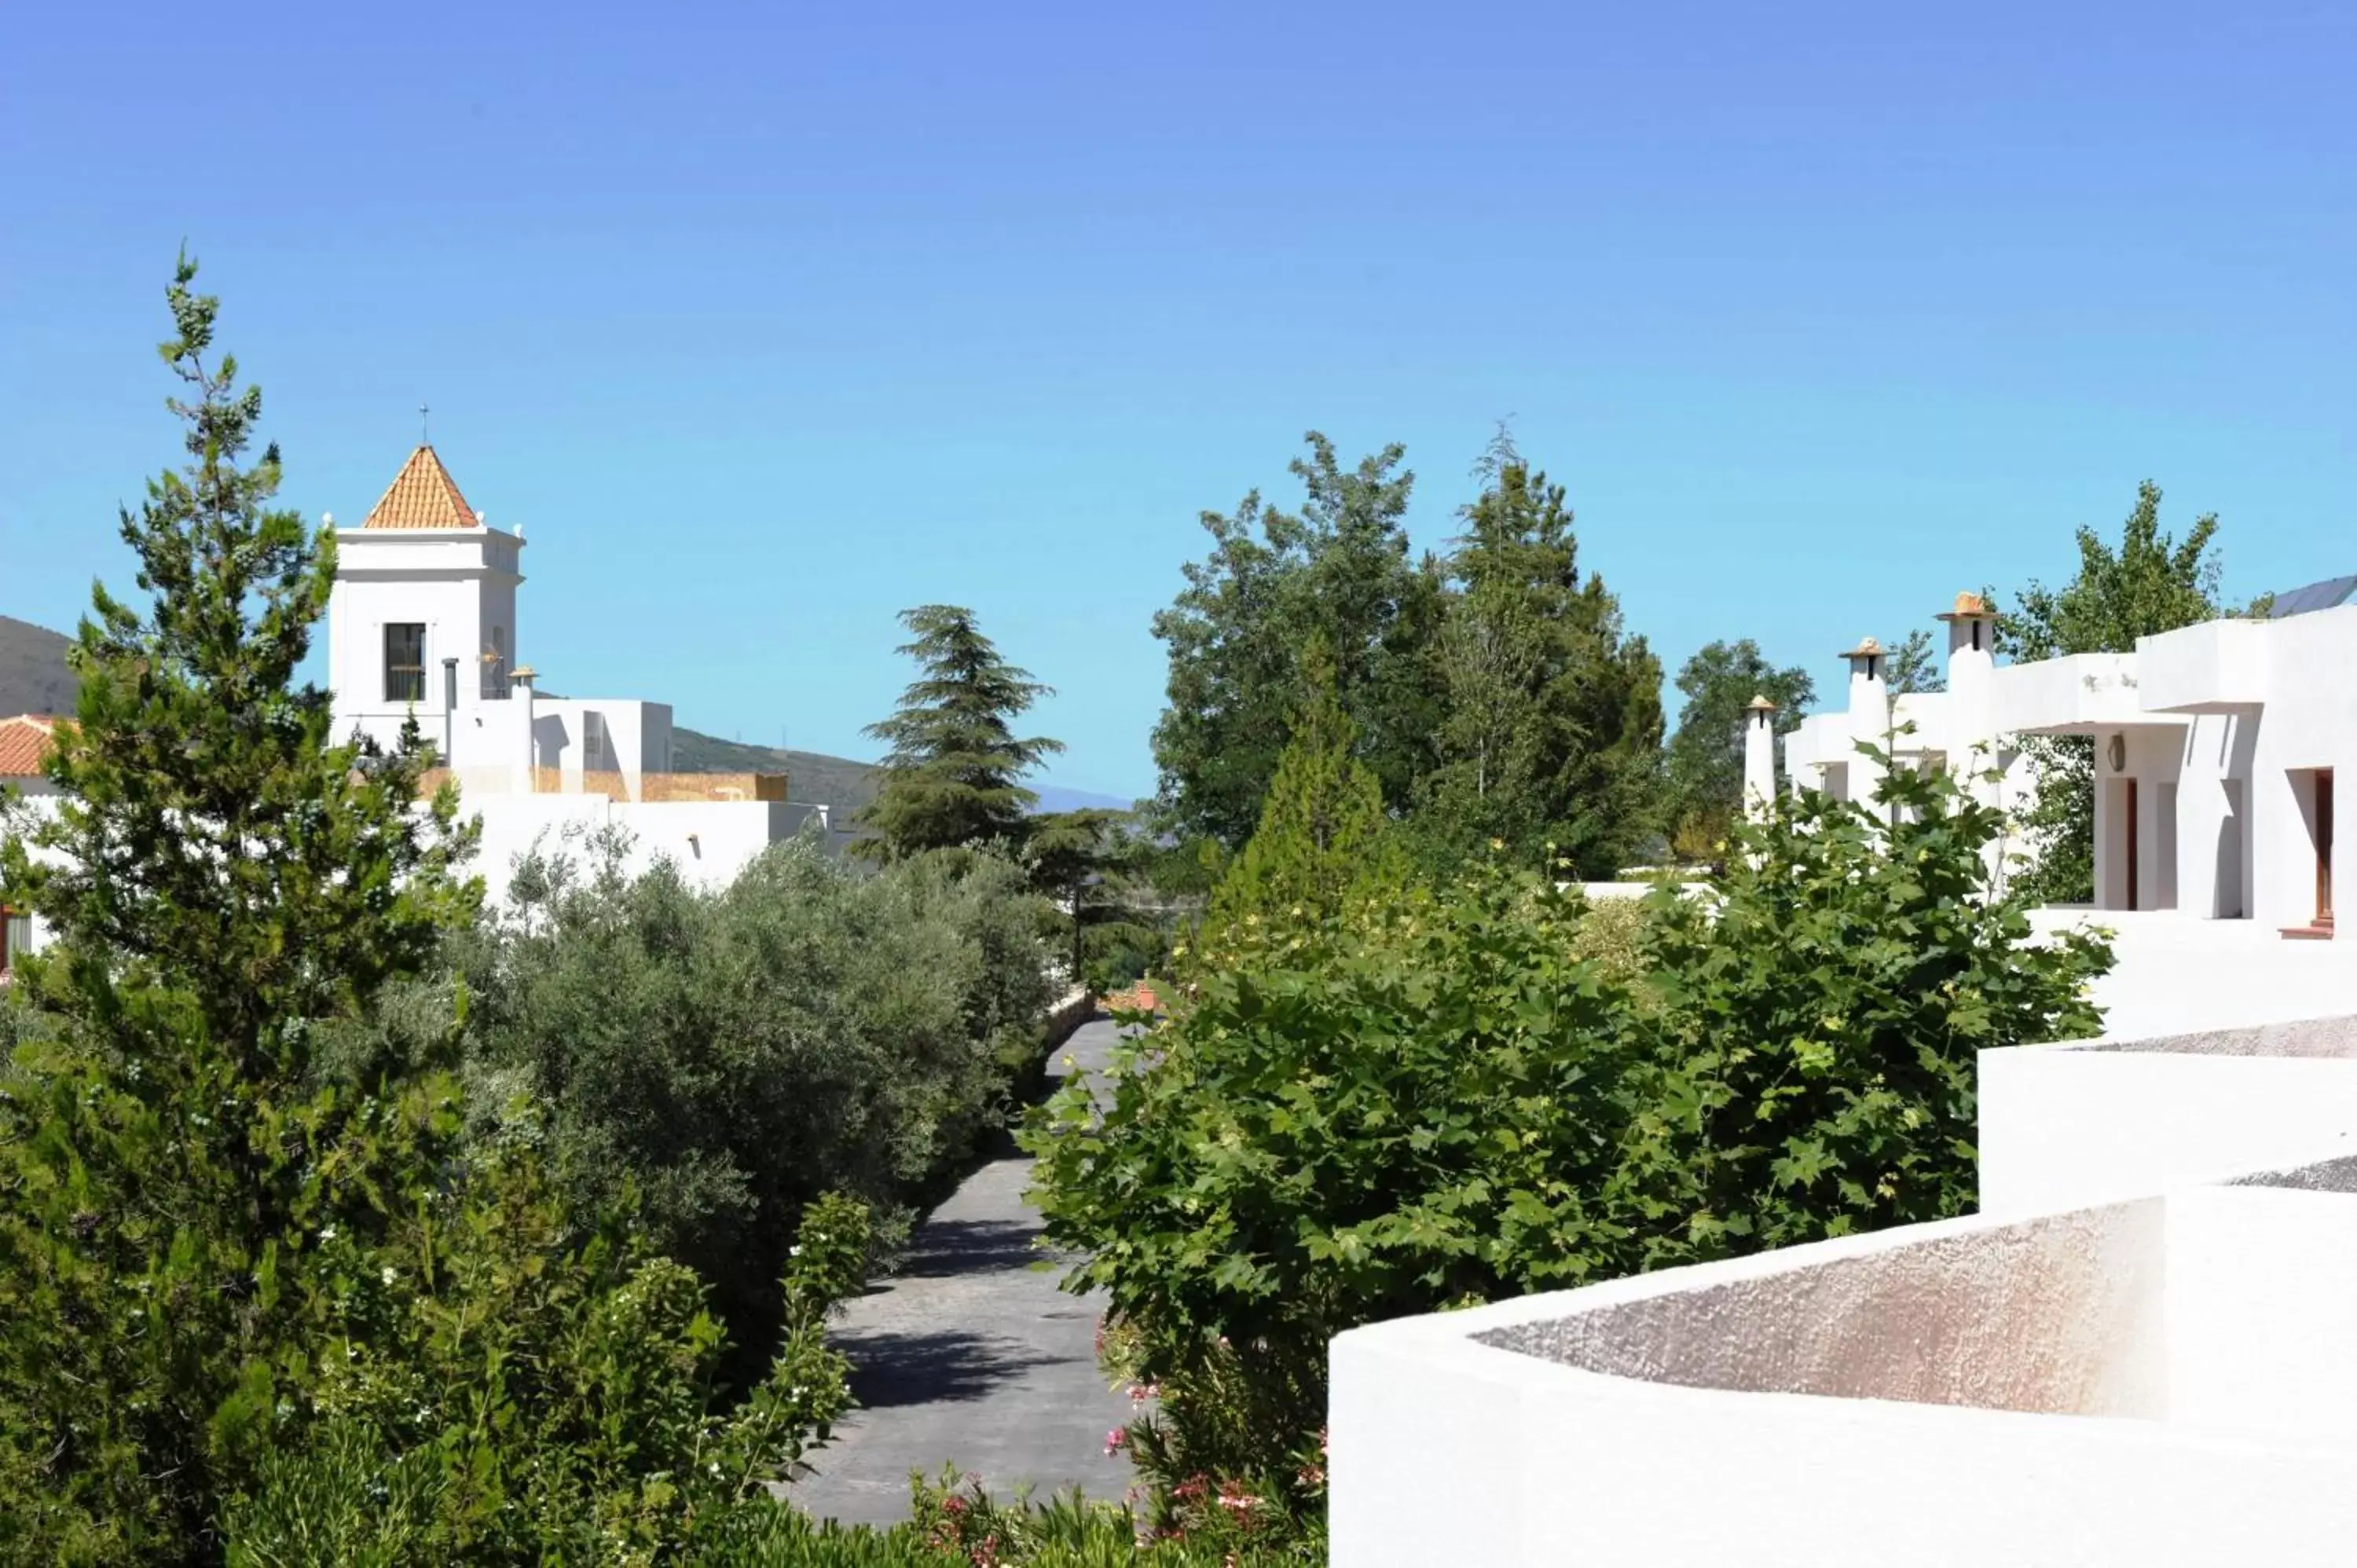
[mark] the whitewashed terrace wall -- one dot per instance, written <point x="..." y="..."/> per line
<point x="2165" y="1381"/>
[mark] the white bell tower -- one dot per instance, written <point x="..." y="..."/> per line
<point x="422" y="621"/>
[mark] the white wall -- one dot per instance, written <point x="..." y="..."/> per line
<point x="2145" y="1353"/>
<point x="1449" y="1449"/>
<point x="639" y="734"/>
<point x="709" y="840"/>
<point x="2217" y="665"/>
<point x="2251" y="1325"/>
<point x="459" y="584"/>
<point x="2072" y="1124"/>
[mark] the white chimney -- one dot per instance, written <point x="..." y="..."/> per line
<point x="1869" y="717"/>
<point x="1972" y="665"/>
<point x="528" y="761"/>
<point x="1758" y="758"/>
<point x="1972" y="738"/>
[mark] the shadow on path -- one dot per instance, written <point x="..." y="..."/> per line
<point x="942" y="1365"/>
<point x="947" y="1247"/>
<point x="972" y="1355"/>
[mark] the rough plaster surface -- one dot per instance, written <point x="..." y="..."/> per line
<point x="2321" y="1175"/>
<point x="2159" y="1379"/>
<point x="2219" y="1437"/>
<point x="2058" y="1314"/>
<point x="2334" y="1038"/>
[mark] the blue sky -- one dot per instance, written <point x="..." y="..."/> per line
<point x="768" y="320"/>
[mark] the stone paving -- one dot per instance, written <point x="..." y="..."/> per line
<point x="971" y="1355"/>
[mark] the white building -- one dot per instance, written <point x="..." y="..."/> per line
<point x="2217" y="749"/>
<point x="2142" y="1353"/>
<point x="1972" y="728"/>
<point x="25" y="743"/>
<point x="422" y="626"/>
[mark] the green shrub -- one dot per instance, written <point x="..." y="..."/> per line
<point x="535" y="1404"/>
<point x="1819" y="1015"/>
<point x="732" y="1054"/>
<point x="1610" y="934"/>
<point x="956" y="1525"/>
<point x="1391" y="1110"/>
<point x="1440" y="1099"/>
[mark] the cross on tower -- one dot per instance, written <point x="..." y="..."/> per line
<point x="423" y="436"/>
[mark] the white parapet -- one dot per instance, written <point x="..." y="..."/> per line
<point x="2145" y="1354"/>
<point x="2161" y="1382"/>
<point x="2100" y="1120"/>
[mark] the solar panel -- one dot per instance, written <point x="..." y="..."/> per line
<point x="2324" y="596"/>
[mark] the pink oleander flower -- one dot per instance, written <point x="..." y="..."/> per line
<point x="1116" y="1440"/>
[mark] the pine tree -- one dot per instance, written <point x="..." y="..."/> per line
<point x="1323" y="836"/>
<point x="1550" y="738"/>
<point x="221" y="880"/>
<point x="954" y="774"/>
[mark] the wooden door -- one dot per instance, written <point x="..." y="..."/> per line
<point x="2324" y="846"/>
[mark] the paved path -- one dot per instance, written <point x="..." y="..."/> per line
<point x="970" y="1355"/>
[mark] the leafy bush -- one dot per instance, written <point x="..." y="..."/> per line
<point x="1438" y="1100"/>
<point x="1821" y="1010"/>
<point x="1610" y="934"/>
<point x="524" y="1413"/>
<point x="1373" y="1114"/>
<point x="731" y="1054"/>
<point x="956" y="1525"/>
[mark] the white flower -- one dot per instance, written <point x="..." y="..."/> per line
<point x="390" y="1273"/>
<point x="329" y="1234"/>
<point x="793" y="1251"/>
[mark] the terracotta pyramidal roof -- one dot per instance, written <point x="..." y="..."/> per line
<point x="422" y="495"/>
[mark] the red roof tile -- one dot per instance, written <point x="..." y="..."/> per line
<point x="422" y="495"/>
<point x="25" y="744"/>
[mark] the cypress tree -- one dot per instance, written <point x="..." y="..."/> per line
<point x="220" y="879"/>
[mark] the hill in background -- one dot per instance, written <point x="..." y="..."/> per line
<point x="841" y="785"/>
<point x="33" y="674"/>
<point x="837" y="782"/>
<point x="34" y="680"/>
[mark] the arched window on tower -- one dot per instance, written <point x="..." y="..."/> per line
<point x="495" y="666"/>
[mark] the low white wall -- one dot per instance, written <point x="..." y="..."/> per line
<point x="2254" y="1326"/>
<point x="2214" y="665"/>
<point x="709" y="840"/>
<point x="2069" y="1124"/>
<point x="2177" y="974"/>
<point x="1447" y="1447"/>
